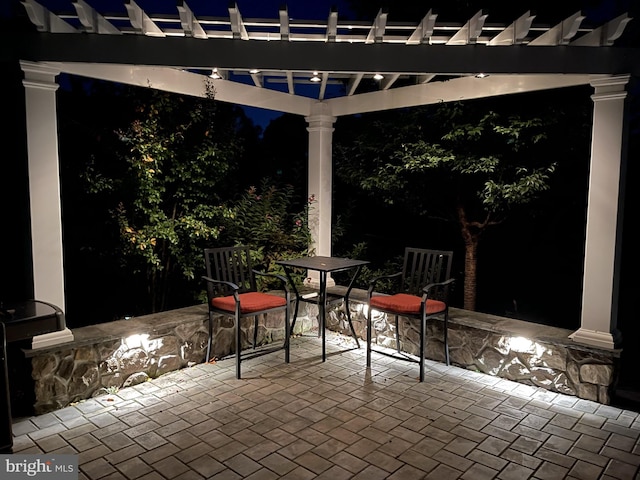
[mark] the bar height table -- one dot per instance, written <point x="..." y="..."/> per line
<point x="324" y="265"/>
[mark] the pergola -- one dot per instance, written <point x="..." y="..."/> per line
<point x="323" y="70"/>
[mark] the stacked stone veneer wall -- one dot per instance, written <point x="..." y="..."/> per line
<point x="115" y="355"/>
<point x="127" y="352"/>
<point x="528" y="353"/>
<point x="119" y="354"/>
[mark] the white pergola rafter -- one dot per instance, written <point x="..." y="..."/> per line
<point x="376" y="34"/>
<point x="471" y="31"/>
<point x="237" y="24"/>
<point x="190" y="24"/>
<point x="92" y="21"/>
<point x="332" y="26"/>
<point x="44" y="20"/>
<point x="604" y="35"/>
<point x="424" y="30"/>
<point x="141" y="22"/>
<point x="562" y="33"/>
<point x="515" y="33"/>
<point x="283" y="14"/>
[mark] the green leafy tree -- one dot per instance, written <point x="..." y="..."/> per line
<point x="169" y="200"/>
<point x="273" y="221"/>
<point x="454" y="162"/>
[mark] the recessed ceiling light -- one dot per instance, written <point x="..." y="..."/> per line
<point x="214" y="74"/>
<point x="482" y="75"/>
<point x="378" y="76"/>
<point x="254" y="70"/>
<point x="315" y="77"/>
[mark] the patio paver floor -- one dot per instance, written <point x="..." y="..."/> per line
<point x="336" y="420"/>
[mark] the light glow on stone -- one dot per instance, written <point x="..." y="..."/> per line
<point x="361" y="307"/>
<point x="525" y="345"/>
<point x="519" y="344"/>
<point x="136" y="341"/>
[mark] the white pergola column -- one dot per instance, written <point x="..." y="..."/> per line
<point x="320" y="179"/>
<point x="44" y="192"/>
<point x="604" y="216"/>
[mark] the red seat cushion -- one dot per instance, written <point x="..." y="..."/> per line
<point x="405" y="303"/>
<point x="249" y="302"/>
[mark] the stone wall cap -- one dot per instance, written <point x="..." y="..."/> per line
<point x="160" y="323"/>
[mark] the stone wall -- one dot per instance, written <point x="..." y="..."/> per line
<point x="111" y="356"/>
<point x="525" y="352"/>
<point x="119" y="354"/>
<point x="115" y="355"/>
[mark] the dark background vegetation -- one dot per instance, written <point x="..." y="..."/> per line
<point x="538" y="247"/>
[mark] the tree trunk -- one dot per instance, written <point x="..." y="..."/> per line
<point x="471" y="240"/>
<point x="470" y="270"/>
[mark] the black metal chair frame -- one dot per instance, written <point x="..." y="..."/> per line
<point x="425" y="273"/>
<point x="230" y="273"/>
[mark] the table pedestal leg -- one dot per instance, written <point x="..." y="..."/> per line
<point x="321" y="313"/>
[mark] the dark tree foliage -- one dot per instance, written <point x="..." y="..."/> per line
<point x="149" y="179"/>
<point x="394" y="200"/>
<point x="145" y="178"/>
<point x="283" y="154"/>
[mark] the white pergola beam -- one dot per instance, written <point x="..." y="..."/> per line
<point x="457" y="89"/>
<point x="187" y="83"/>
<point x="341" y="58"/>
